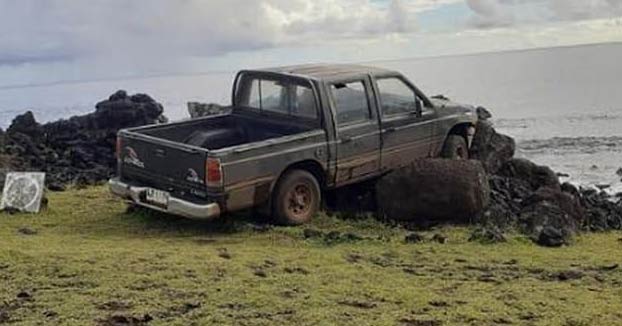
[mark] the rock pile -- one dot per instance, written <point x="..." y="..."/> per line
<point x="78" y="150"/>
<point x="530" y="198"/>
<point x="517" y="194"/>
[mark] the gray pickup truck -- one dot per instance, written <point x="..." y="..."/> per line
<point x="290" y="134"/>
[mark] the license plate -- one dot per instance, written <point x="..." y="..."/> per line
<point x="157" y="197"/>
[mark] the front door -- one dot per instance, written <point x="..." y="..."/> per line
<point x="406" y="127"/>
<point x="358" y="132"/>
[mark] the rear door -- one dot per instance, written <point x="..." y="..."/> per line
<point x="358" y="130"/>
<point x="406" y="131"/>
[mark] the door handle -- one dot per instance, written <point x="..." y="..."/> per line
<point x="346" y="139"/>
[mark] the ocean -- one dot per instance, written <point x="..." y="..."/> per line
<point x="563" y="105"/>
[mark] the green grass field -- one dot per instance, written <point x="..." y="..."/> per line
<point x="84" y="261"/>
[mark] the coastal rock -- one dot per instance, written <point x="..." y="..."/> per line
<point x="79" y="149"/>
<point x="483" y="113"/>
<point x="435" y="189"/>
<point x="27" y="125"/>
<point x="602" y="211"/>
<point x="491" y="148"/>
<point x="551" y="209"/>
<point x="536" y="175"/>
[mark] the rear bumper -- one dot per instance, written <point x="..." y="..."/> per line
<point x="176" y="206"/>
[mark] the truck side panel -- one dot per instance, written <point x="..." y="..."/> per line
<point x="251" y="171"/>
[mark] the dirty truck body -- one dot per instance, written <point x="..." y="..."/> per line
<point x="290" y="134"/>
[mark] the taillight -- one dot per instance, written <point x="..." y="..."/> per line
<point x="118" y="148"/>
<point x="213" y="172"/>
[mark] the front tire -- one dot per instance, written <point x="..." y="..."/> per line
<point x="455" y="148"/>
<point x="296" y="199"/>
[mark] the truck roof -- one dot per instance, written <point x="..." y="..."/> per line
<point x="323" y="72"/>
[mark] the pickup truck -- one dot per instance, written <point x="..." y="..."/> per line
<point x="290" y="134"/>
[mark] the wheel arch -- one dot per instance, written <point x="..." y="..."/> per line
<point x="311" y="166"/>
<point x="462" y="129"/>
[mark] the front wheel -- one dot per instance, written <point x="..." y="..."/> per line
<point x="296" y="198"/>
<point x="455" y="148"/>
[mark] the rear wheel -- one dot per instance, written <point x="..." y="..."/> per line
<point x="296" y="198"/>
<point x="455" y="148"/>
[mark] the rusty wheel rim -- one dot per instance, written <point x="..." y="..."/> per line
<point x="299" y="201"/>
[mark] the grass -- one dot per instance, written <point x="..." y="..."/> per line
<point x="85" y="261"/>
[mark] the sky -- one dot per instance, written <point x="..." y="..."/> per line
<point x="50" y="41"/>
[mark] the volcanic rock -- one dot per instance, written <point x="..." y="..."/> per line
<point x="536" y="175"/>
<point x="483" y="113"/>
<point x="79" y="149"/>
<point x="491" y="148"/>
<point x="197" y="110"/>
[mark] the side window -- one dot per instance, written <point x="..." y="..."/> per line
<point x="395" y="96"/>
<point x="303" y="102"/>
<point x="274" y="97"/>
<point x="351" y="102"/>
<point x="254" y="98"/>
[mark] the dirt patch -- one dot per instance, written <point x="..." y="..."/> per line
<point x="332" y="237"/>
<point x="358" y="304"/>
<point x="115" y="306"/>
<point x="296" y="270"/>
<point x="224" y="253"/>
<point x="124" y="320"/>
<point x="420" y="322"/>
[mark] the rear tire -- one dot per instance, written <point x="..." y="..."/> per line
<point x="455" y="148"/>
<point x="296" y="198"/>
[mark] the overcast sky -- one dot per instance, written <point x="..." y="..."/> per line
<point x="58" y="40"/>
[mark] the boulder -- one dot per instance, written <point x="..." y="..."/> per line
<point x="27" y="125"/>
<point x="121" y="111"/>
<point x="551" y="237"/>
<point x="436" y="189"/>
<point x="197" y="110"/>
<point x="536" y="175"/>
<point x="491" y="148"/>
<point x="551" y="209"/>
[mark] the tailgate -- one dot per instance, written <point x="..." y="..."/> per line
<point x="173" y="167"/>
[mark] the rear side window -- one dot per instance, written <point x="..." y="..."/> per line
<point x="280" y="97"/>
<point x="351" y="104"/>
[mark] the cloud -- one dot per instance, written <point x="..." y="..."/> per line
<point x="500" y="13"/>
<point x="72" y="29"/>
<point x="489" y="13"/>
<point x="585" y="9"/>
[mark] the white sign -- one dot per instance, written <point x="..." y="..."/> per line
<point x="23" y="191"/>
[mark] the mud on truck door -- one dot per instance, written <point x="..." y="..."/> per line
<point x="406" y="124"/>
<point x="358" y="132"/>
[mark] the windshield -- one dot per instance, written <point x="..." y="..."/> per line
<point x="276" y="96"/>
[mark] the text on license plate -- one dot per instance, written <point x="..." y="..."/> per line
<point x="157" y="197"/>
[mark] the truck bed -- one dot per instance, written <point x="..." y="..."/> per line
<point x="224" y="131"/>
